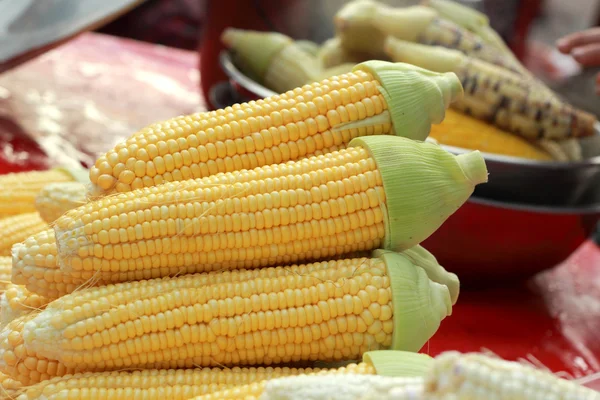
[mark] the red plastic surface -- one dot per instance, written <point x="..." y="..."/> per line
<point x="554" y="321"/>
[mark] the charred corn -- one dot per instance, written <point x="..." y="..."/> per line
<point x="383" y="191"/>
<point x="327" y="311"/>
<point x="57" y="198"/>
<point x="18" y="190"/>
<point x="183" y="384"/>
<point x="377" y="98"/>
<point x="497" y="95"/>
<point x="17" y="228"/>
<point x="467" y="132"/>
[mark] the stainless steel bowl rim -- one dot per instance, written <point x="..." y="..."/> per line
<point x="595" y="209"/>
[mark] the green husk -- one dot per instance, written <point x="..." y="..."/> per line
<point x="423" y="183"/>
<point x="434" y="58"/>
<point x="398" y="363"/>
<point x="419" y="304"/>
<point x="332" y="53"/>
<point x="81" y="175"/>
<point x="355" y="26"/>
<point x="419" y="256"/>
<point x="464" y="16"/>
<point x="254" y="49"/>
<point x="308" y="46"/>
<point x="290" y="68"/>
<point x="406" y="23"/>
<point x="416" y="97"/>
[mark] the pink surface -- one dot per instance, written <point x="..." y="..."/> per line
<point x="81" y="99"/>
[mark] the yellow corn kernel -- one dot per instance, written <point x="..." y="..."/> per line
<point x="22" y="365"/>
<point x="190" y="226"/>
<point x="18" y="189"/>
<point x="376" y="98"/>
<point x="17" y="301"/>
<point x="9" y="388"/>
<point x="16" y="228"/>
<point x="35" y="267"/>
<point x="460" y="130"/>
<point x="153" y="384"/>
<point x="56" y="199"/>
<point x="326" y="311"/>
<point x="5" y="273"/>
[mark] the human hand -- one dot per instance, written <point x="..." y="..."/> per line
<point x="584" y="46"/>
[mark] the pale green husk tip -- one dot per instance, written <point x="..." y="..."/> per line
<point x="80" y="175"/>
<point x="398" y="363"/>
<point x="416" y="97"/>
<point x="420" y="257"/>
<point x="255" y="49"/>
<point x="419" y="304"/>
<point x="473" y="166"/>
<point x="423" y="185"/>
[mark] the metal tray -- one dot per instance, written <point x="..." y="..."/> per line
<point x="573" y="185"/>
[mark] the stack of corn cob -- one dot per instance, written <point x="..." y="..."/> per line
<point x="221" y="249"/>
<point x="505" y="110"/>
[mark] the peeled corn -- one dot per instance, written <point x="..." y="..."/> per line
<point x="56" y="199"/>
<point x="327" y="311"/>
<point x="18" y="190"/>
<point x="5" y="273"/>
<point x="384" y="191"/>
<point x="377" y="98"/>
<point x="183" y="384"/>
<point x="9" y="388"/>
<point x="497" y="95"/>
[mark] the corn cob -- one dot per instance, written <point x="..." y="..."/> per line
<point x="17" y="301"/>
<point x="5" y="272"/>
<point x="9" y="388"/>
<point x="326" y="311"/>
<point x="387" y="363"/>
<point x="332" y="53"/>
<point x="392" y="193"/>
<point x="272" y="58"/>
<point x="460" y="130"/>
<point x="18" y="190"/>
<point x="475" y="376"/>
<point x="184" y="384"/>
<point x="563" y="150"/>
<point x="17" y="228"/>
<point x="22" y="365"/>
<point x="355" y="28"/>
<point x="450" y="376"/>
<point x="499" y="96"/>
<point x="57" y="198"/>
<point x="377" y="98"/>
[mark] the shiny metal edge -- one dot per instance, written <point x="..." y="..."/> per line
<point x="588" y="210"/>
<point x="234" y="73"/>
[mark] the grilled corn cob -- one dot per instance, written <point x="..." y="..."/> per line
<point x="385" y="191"/>
<point x="184" y="384"/>
<point x="17" y="301"/>
<point x="17" y="228"/>
<point x="327" y="311"/>
<point x="467" y="132"/>
<point x="499" y="96"/>
<point x="377" y="98"/>
<point x="57" y="198"/>
<point x="18" y="190"/>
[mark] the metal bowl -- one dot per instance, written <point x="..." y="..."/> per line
<point x="530" y="216"/>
